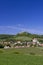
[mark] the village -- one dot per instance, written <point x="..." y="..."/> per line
<point x="19" y="44"/>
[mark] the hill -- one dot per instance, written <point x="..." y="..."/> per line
<point x="23" y="36"/>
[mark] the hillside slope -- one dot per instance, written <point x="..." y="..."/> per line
<point x="23" y="36"/>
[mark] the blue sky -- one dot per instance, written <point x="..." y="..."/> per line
<point x="21" y="15"/>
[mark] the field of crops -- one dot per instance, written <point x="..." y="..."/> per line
<point x="21" y="56"/>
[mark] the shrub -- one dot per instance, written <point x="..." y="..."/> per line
<point x="1" y="45"/>
<point x="35" y="45"/>
<point x="8" y="45"/>
<point x="32" y="53"/>
<point x="31" y="45"/>
<point x="16" y="52"/>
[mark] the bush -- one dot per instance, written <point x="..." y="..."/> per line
<point x="35" y="45"/>
<point x="31" y="45"/>
<point x="1" y="45"/>
<point x="32" y="53"/>
<point x="16" y="52"/>
<point x="8" y="45"/>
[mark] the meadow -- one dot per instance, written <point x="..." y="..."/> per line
<point x="21" y="56"/>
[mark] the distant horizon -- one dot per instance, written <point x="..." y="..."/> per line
<point x="18" y="33"/>
<point x="21" y="15"/>
<point x="18" y="29"/>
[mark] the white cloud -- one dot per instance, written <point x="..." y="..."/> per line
<point x="16" y="29"/>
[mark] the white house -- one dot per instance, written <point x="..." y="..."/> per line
<point x="6" y="47"/>
<point x="35" y="41"/>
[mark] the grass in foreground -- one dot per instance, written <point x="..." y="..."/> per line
<point x="22" y="56"/>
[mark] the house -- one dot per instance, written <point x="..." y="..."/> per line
<point x="18" y="42"/>
<point x="36" y="42"/>
<point x="6" y="47"/>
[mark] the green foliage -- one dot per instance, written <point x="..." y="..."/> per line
<point x="35" y="45"/>
<point x="31" y="45"/>
<point x="41" y="40"/>
<point x="8" y="45"/>
<point x="18" y="44"/>
<point x="23" y="36"/>
<point x="1" y="45"/>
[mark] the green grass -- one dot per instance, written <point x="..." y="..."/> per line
<point x="23" y="38"/>
<point x="21" y="56"/>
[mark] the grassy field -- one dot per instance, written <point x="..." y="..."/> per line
<point x="21" y="56"/>
<point x="23" y="38"/>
